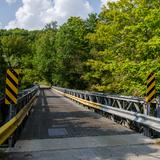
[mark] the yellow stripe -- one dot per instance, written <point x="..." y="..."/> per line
<point x="151" y="86"/>
<point x="150" y="96"/>
<point x="8" y="128"/>
<point x="6" y="101"/>
<point x="12" y="76"/>
<point x="9" y="94"/>
<point x="17" y="71"/>
<point x="12" y="86"/>
<point x="82" y="101"/>
<point x="153" y="76"/>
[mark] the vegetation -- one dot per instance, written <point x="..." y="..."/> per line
<point x="110" y="52"/>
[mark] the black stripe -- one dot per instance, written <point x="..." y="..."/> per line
<point x="151" y="82"/>
<point x="151" y="98"/>
<point x="12" y="81"/>
<point x="148" y="93"/>
<point x="13" y="71"/>
<point x="11" y="102"/>
<point x="12" y="92"/>
<point x="150" y="75"/>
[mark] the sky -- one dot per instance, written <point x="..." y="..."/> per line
<point x="34" y="14"/>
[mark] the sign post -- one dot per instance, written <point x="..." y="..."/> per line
<point x="158" y="107"/>
<point x="11" y="93"/>
<point x="150" y="95"/>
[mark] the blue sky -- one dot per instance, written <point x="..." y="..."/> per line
<point x="7" y="11"/>
<point x="34" y="14"/>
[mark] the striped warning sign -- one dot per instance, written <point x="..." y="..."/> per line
<point x="11" y="90"/>
<point x="151" y="91"/>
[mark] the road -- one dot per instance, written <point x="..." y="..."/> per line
<point x="59" y="129"/>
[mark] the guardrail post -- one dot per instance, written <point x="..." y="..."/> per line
<point x="147" y="112"/>
<point x="1" y="116"/>
<point x="158" y="107"/>
<point x="12" y="113"/>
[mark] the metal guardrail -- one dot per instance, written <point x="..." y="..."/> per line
<point x="122" y="109"/>
<point x="1" y="106"/>
<point x="130" y="103"/>
<point x="21" y="110"/>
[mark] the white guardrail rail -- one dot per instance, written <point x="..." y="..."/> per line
<point x="122" y="108"/>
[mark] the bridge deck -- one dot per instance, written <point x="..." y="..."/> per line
<point x="55" y="116"/>
<point x="60" y="129"/>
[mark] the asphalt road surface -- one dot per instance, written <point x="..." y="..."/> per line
<point x="59" y="129"/>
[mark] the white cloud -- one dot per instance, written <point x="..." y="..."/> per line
<point x="104" y="2"/>
<point x="34" y="14"/>
<point x="11" y="1"/>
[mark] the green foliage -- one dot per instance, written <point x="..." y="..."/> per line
<point x="127" y="40"/>
<point x="110" y="52"/>
<point x="51" y="25"/>
<point x="71" y="48"/>
<point x="91" y="22"/>
<point x="44" y="58"/>
<point x="2" y="70"/>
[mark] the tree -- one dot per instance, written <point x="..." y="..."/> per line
<point x="44" y="58"/>
<point x="110" y="52"/>
<point x="91" y="22"/>
<point x="71" y="48"/>
<point x="126" y="40"/>
<point x="51" y="25"/>
<point x="14" y="48"/>
<point x="3" y="66"/>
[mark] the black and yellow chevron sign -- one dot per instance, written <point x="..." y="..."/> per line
<point x="11" y="90"/>
<point x="151" y="91"/>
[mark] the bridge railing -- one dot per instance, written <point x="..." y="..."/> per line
<point x="25" y="97"/>
<point x="15" y="115"/>
<point x="1" y="107"/>
<point x="126" y="110"/>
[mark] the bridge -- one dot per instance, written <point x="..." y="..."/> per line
<point x="53" y="123"/>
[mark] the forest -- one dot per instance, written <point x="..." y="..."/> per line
<point x="112" y="51"/>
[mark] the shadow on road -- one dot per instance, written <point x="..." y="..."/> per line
<point x="55" y="112"/>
